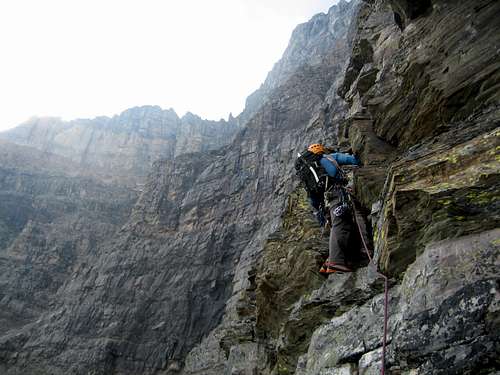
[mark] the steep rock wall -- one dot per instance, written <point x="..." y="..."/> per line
<point x="313" y="43"/>
<point x="423" y="116"/>
<point x="178" y="269"/>
<point x="234" y="345"/>
<point x="216" y="269"/>
<point x="52" y="214"/>
<point x="125" y="146"/>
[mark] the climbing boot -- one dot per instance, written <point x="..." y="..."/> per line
<point x="330" y="270"/>
<point x="337" y="267"/>
<point x="324" y="267"/>
<point x="327" y="268"/>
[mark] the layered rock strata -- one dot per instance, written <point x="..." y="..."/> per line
<point x="125" y="146"/>
<point x="425" y="124"/>
<point x="178" y="268"/>
<point x="215" y="269"/>
<point x="52" y="215"/>
<point x="424" y="119"/>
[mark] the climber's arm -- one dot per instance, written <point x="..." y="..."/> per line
<point x="346" y="159"/>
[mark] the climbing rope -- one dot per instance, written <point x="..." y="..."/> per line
<point x="386" y="291"/>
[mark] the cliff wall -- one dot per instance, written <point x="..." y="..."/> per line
<point x="177" y="269"/>
<point x="52" y="214"/>
<point x="422" y="89"/>
<point x="125" y="146"/>
<point x="423" y="114"/>
<point x="214" y="268"/>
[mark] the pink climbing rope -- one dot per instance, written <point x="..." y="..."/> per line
<point x="386" y="292"/>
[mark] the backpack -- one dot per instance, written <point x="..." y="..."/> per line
<point x="310" y="171"/>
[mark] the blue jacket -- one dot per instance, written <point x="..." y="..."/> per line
<point x="341" y="159"/>
<point x="331" y="169"/>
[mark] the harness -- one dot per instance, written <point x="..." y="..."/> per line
<point x="337" y="189"/>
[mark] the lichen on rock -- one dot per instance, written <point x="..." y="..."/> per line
<point x="211" y="267"/>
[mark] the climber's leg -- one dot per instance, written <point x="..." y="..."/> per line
<point x="339" y="239"/>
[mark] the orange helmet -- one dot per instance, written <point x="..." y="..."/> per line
<point x="316" y="148"/>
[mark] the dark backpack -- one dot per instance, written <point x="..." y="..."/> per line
<point x="310" y="171"/>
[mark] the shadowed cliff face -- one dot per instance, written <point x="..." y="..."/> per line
<point x="430" y="177"/>
<point x="430" y="93"/>
<point x="423" y="115"/>
<point x="214" y="268"/>
<point x="53" y="214"/>
<point x="178" y="268"/>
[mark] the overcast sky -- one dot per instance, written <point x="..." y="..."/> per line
<point x="85" y="58"/>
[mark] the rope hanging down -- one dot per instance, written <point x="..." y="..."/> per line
<point x="386" y="292"/>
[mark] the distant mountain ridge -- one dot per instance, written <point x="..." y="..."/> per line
<point x="124" y="146"/>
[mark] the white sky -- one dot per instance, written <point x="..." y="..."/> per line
<point x="85" y="58"/>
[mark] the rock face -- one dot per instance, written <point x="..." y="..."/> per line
<point x="52" y="215"/>
<point x="424" y="121"/>
<point x="213" y="269"/>
<point x="167" y="277"/>
<point x="430" y="176"/>
<point x="124" y="146"/>
<point x="314" y="43"/>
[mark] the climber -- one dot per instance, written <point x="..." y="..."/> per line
<point x="325" y="182"/>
